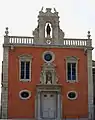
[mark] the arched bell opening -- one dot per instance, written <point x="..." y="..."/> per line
<point x="48" y="30"/>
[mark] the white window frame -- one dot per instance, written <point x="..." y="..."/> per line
<point x="25" y="58"/>
<point x="72" y="98"/>
<point x="72" y="59"/>
<point x="24" y="91"/>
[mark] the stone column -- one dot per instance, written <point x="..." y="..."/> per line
<point x="4" y="102"/>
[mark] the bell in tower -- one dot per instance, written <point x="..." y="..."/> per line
<point x="48" y="30"/>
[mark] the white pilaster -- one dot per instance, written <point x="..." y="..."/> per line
<point x="90" y="84"/>
<point x="59" y="107"/>
<point x="38" y="107"/>
<point x="4" y="102"/>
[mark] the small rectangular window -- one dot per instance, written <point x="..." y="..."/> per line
<point x="71" y="71"/>
<point x="25" y="70"/>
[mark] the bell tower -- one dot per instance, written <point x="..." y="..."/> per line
<point x="48" y="30"/>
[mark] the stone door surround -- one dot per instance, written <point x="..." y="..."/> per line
<point x="48" y="88"/>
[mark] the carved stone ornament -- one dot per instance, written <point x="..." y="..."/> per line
<point x="48" y="74"/>
<point x="61" y="34"/>
<point x="36" y="32"/>
<point x="50" y="33"/>
<point x="6" y="32"/>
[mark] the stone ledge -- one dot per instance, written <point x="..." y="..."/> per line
<point x="48" y="119"/>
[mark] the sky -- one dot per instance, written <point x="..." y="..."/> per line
<point x="20" y="16"/>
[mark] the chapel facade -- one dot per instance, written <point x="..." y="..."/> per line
<point x="47" y="76"/>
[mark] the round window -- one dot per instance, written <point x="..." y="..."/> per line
<point x="72" y="95"/>
<point x="48" y="56"/>
<point x="25" y="94"/>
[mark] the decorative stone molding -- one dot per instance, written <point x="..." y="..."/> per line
<point x="72" y="58"/>
<point x="36" y="34"/>
<point x="61" y="36"/>
<point x="48" y="74"/>
<point x="53" y="19"/>
<point x="45" y="87"/>
<point x="12" y="47"/>
<point x="48" y="88"/>
<point x="25" y="57"/>
<point x="4" y="99"/>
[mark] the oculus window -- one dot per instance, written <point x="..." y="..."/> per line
<point x="24" y="94"/>
<point x="48" y="56"/>
<point x="72" y="95"/>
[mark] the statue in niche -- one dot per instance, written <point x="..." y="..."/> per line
<point x="48" y="77"/>
<point x="48" y="30"/>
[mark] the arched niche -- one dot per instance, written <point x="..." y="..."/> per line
<point x="48" y="30"/>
